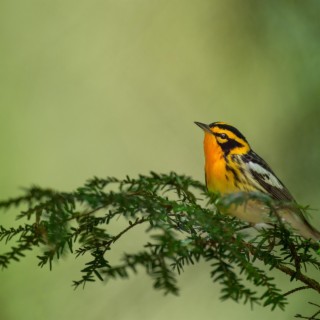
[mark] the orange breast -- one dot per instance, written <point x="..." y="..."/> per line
<point x="217" y="177"/>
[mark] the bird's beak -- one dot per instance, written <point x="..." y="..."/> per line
<point x="204" y="127"/>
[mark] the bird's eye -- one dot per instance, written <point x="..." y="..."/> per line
<point x="223" y="136"/>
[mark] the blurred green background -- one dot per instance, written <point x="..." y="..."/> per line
<point x="113" y="87"/>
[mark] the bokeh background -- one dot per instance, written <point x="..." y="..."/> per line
<point x="112" y="87"/>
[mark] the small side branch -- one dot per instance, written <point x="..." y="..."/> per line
<point x="131" y="225"/>
<point x="295" y="290"/>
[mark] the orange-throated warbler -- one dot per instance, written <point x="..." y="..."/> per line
<point x="231" y="166"/>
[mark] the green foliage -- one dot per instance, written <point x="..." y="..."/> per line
<point x="184" y="225"/>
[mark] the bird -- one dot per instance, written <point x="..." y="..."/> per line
<point x="231" y="166"/>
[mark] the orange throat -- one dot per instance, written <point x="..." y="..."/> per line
<point x="218" y="178"/>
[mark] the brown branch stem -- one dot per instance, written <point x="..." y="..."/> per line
<point x="311" y="283"/>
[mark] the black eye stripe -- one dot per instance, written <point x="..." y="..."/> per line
<point x="229" y="144"/>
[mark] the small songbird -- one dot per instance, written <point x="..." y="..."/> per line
<point x="231" y="166"/>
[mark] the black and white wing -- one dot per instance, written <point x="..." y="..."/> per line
<point x="266" y="179"/>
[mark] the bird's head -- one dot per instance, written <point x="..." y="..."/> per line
<point x="223" y="138"/>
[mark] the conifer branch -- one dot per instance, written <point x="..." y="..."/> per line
<point x="184" y="226"/>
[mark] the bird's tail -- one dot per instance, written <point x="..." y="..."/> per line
<point x="301" y="225"/>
